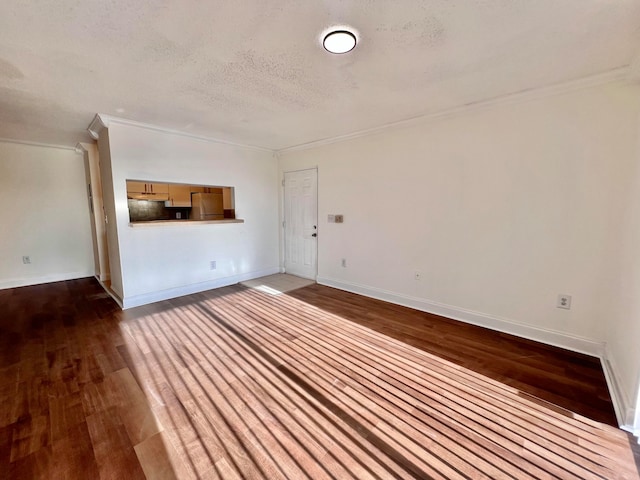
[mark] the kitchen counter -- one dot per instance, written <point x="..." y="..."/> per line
<point x="151" y="223"/>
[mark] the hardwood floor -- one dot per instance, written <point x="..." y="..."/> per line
<point x="566" y="379"/>
<point x="236" y="383"/>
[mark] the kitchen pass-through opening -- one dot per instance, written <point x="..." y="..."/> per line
<point x="150" y="201"/>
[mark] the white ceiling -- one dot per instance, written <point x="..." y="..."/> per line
<point x="253" y="71"/>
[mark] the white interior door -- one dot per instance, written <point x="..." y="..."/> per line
<point x="301" y="223"/>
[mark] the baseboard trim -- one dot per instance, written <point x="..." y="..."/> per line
<point x="550" y="337"/>
<point x="152" y="297"/>
<point x="58" y="277"/>
<point x="625" y="411"/>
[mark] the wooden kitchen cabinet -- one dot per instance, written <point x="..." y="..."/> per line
<point x="179" y="196"/>
<point x="147" y="190"/>
<point x="227" y="198"/>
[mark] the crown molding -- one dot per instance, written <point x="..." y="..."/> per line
<point x="102" y="121"/>
<point x="36" y="144"/>
<point x="628" y="73"/>
<point x="99" y="123"/>
<point x="82" y="147"/>
<point x="618" y="74"/>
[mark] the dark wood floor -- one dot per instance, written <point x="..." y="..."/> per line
<point x="566" y="379"/>
<point x="236" y="383"/>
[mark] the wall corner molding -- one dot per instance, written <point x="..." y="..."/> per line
<point x="82" y="147"/>
<point x="99" y="123"/>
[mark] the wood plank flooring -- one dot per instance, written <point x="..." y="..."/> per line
<point x="567" y="379"/>
<point x="236" y="383"/>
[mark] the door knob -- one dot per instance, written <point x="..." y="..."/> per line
<point x="314" y="234"/>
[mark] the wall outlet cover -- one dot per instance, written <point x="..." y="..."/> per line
<point x="564" y="301"/>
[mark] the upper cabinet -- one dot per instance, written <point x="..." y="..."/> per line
<point x="147" y="190"/>
<point x="179" y="195"/>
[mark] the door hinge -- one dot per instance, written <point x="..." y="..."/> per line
<point x="283" y="224"/>
<point x="283" y="182"/>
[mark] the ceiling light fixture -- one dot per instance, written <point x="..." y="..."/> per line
<point x="339" y="41"/>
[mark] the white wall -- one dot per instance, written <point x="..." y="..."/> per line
<point x="45" y="215"/>
<point x="623" y="321"/>
<point x="500" y="209"/>
<point x="164" y="261"/>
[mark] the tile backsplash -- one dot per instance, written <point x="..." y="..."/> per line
<point x="147" y="210"/>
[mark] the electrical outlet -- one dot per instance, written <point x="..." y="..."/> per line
<point x="564" y="301"/>
<point x="417" y="276"/>
<point x="339" y="218"/>
<point x="212" y="265"/>
<point x="26" y="259"/>
<point x="331" y="218"/>
<point x="344" y="262"/>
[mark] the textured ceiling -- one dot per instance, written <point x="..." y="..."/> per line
<point x="253" y="71"/>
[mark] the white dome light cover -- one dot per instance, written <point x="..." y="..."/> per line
<point x="339" y="41"/>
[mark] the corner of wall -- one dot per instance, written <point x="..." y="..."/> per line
<point x="621" y="403"/>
